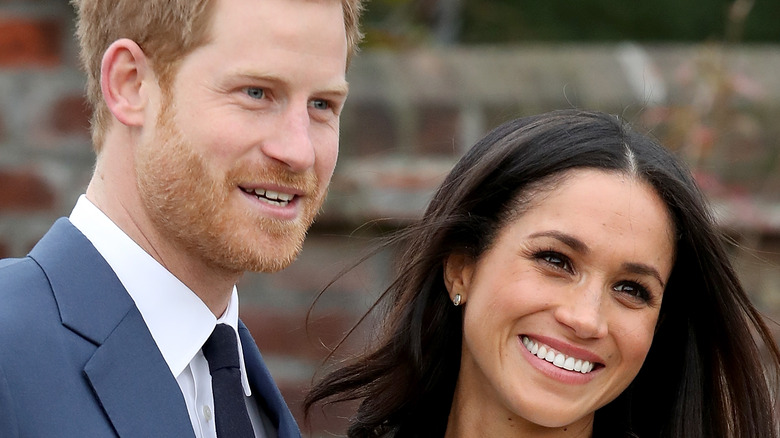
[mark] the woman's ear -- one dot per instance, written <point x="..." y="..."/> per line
<point x="123" y="71"/>
<point x="458" y="270"/>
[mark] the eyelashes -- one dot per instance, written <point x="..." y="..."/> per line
<point x="633" y="290"/>
<point x="554" y="259"/>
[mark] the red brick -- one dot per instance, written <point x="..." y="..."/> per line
<point x="26" y="42"/>
<point x="322" y="258"/>
<point x="286" y="333"/>
<point x="70" y="115"/>
<point x="330" y="420"/>
<point x="497" y="114"/>
<point x="371" y="130"/>
<point x="24" y="190"/>
<point x="438" y="130"/>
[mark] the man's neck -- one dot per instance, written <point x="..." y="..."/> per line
<point x="118" y="199"/>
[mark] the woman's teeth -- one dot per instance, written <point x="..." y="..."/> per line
<point x="558" y="359"/>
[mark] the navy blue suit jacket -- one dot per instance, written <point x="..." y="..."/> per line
<point x="77" y="360"/>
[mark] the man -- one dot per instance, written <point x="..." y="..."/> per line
<point x="216" y="130"/>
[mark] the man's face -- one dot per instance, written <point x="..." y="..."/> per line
<point x="245" y="146"/>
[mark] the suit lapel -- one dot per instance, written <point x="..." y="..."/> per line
<point x="264" y="388"/>
<point x="127" y="371"/>
<point x="134" y="384"/>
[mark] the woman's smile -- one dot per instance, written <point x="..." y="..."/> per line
<point x="559" y="313"/>
<point x="560" y="360"/>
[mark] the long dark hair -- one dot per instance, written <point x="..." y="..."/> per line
<point x="704" y="375"/>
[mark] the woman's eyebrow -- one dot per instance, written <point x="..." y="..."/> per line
<point x="643" y="269"/>
<point x="579" y="246"/>
<point x="565" y="238"/>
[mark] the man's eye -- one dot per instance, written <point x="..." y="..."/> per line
<point x="255" y="93"/>
<point x="320" y="104"/>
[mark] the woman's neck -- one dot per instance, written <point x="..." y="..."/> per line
<point x="470" y="418"/>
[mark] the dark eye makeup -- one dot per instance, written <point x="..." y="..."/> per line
<point x="633" y="290"/>
<point x="555" y="259"/>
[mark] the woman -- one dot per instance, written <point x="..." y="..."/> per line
<point x="566" y="280"/>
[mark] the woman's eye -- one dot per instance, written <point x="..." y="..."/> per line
<point x="633" y="290"/>
<point x="255" y="93"/>
<point x="558" y="260"/>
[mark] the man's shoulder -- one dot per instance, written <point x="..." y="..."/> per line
<point x="7" y="265"/>
<point x="26" y="298"/>
<point x="22" y="282"/>
<point x="31" y="271"/>
<point x="19" y="273"/>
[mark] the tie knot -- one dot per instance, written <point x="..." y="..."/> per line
<point x="221" y="348"/>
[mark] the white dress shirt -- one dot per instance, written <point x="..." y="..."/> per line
<point x="179" y="321"/>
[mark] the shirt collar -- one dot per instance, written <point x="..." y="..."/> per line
<point x="179" y="321"/>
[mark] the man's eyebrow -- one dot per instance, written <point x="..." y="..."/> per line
<point x="339" y="88"/>
<point x="643" y="269"/>
<point x="565" y="238"/>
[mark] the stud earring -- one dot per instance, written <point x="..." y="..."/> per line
<point x="456" y="301"/>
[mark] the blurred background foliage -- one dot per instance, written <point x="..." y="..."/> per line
<point x="712" y="120"/>
<point x="404" y="23"/>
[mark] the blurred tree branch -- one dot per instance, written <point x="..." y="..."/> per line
<point x="715" y="123"/>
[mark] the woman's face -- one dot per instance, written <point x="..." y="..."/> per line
<point x="560" y="312"/>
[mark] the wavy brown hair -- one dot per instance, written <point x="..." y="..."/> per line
<point x="713" y="366"/>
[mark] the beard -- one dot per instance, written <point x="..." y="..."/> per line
<point x="202" y="212"/>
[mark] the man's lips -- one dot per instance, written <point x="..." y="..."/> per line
<point x="273" y="197"/>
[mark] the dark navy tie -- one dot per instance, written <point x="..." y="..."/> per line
<point x="221" y="351"/>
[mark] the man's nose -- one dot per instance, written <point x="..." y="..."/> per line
<point x="291" y="142"/>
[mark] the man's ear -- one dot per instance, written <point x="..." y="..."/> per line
<point x="122" y="75"/>
<point x="458" y="270"/>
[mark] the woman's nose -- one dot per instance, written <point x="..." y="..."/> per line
<point x="583" y="312"/>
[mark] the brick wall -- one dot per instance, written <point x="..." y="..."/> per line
<point x="45" y="156"/>
<point x="409" y="117"/>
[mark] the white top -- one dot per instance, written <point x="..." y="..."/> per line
<point x="179" y="321"/>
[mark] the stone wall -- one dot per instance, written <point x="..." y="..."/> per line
<point x="409" y="117"/>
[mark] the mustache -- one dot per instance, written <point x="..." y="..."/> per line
<point x="275" y="174"/>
